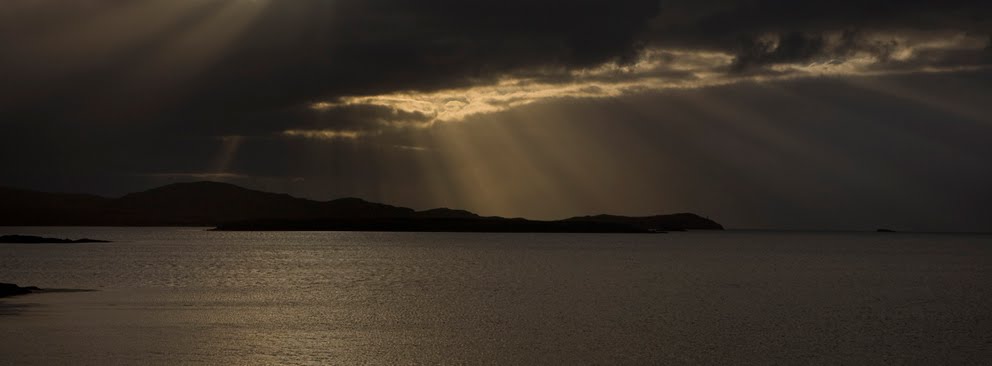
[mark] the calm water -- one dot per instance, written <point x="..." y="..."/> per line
<point x="188" y="296"/>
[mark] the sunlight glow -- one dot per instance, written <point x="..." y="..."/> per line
<point x="609" y="80"/>
<point x="228" y="151"/>
<point x="198" y="46"/>
<point x="655" y="70"/>
<point x="326" y="134"/>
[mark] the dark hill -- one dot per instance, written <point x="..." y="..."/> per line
<point x="204" y="203"/>
<point x="676" y="222"/>
<point x="238" y="208"/>
<point x="357" y="207"/>
<point x="446" y="213"/>
<point x="180" y="204"/>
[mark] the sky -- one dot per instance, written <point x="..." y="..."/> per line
<point x="763" y="114"/>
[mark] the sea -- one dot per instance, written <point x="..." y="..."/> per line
<point x="191" y="296"/>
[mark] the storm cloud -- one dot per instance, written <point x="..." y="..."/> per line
<point x="341" y="95"/>
<point x="227" y="54"/>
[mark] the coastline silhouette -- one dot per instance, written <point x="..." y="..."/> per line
<point x="230" y="207"/>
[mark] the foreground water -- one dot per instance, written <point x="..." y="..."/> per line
<point x="173" y="296"/>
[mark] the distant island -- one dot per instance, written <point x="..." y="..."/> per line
<point x="27" y="239"/>
<point x="10" y="289"/>
<point x="230" y="207"/>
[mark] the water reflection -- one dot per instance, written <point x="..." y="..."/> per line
<point x="171" y="296"/>
<point x="10" y="309"/>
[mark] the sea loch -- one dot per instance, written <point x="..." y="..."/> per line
<point x="168" y="296"/>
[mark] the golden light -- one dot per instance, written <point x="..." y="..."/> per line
<point x="326" y="134"/>
<point x="655" y="70"/>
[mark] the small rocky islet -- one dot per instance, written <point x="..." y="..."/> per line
<point x="28" y="239"/>
<point x="10" y="289"/>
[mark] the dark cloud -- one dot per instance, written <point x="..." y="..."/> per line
<point x="109" y="95"/>
<point x="764" y="32"/>
<point x="788" y="48"/>
<point x="295" y="51"/>
<point x="722" y="22"/>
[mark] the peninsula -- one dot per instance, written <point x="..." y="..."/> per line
<point x="230" y="207"/>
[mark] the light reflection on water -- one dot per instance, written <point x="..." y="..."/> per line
<point x="188" y="296"/>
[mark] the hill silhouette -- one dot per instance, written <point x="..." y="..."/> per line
<point x="230" y="207"/>
<point x="675" y="222"/>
